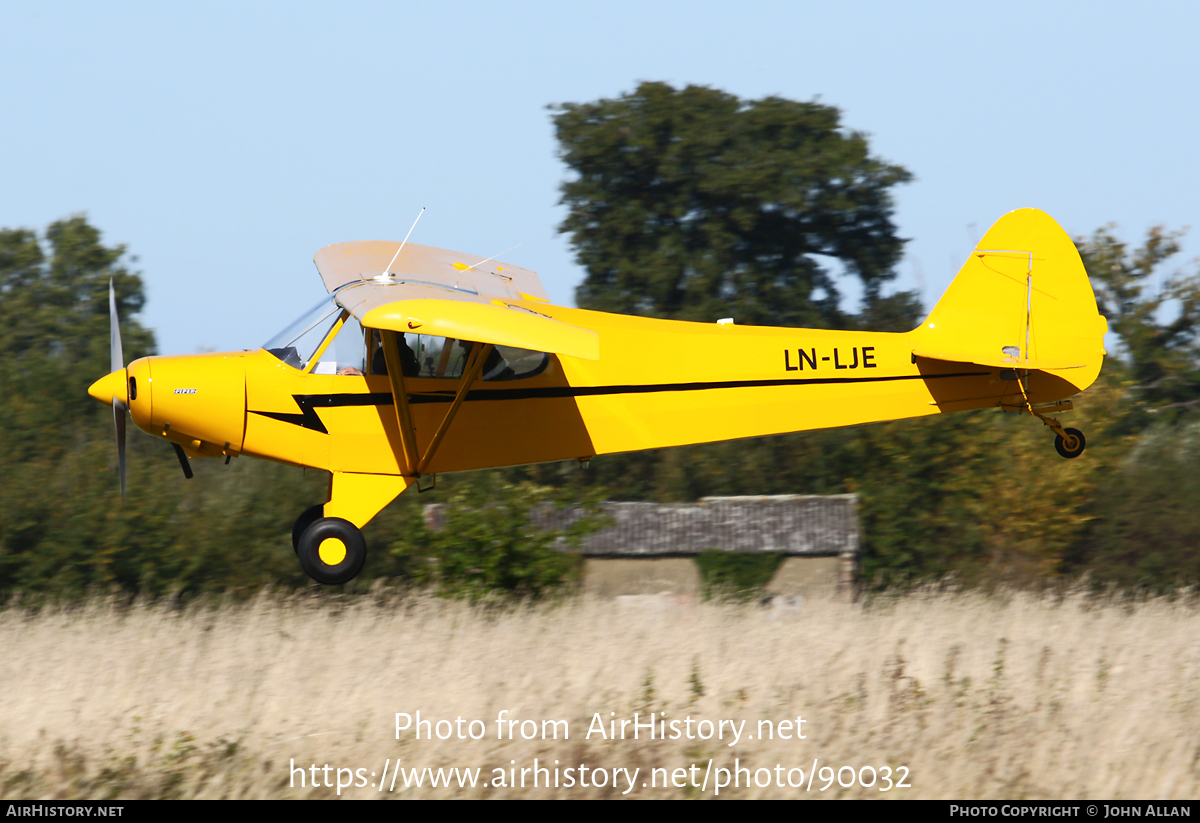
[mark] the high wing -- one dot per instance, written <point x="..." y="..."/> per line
<point x="414" y="289"/>
<point x="365" y="260"/>
<point x="420" y="309"/>
<point x="448" y="294"/>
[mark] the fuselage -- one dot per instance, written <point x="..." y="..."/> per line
<point x="657" y="383"/>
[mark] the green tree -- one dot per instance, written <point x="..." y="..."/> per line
<point x="735" y="575"/>
<point x="1143" y="525"/>
<point x="692" y="204"/>
<point x="1162" y="355"/>
<point x="54" y="328"/>
<point x="63" y="526"/>
<point x="493" y="539"/>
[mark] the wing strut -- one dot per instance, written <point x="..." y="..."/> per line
<point x="408" y="433"/>
<point x="464" y="385"/>
<point x="415" y="464"/>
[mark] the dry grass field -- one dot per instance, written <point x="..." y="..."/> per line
<point x="958" y="695"/>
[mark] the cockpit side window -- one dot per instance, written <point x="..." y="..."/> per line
<point x="507" y="363"/>
<point x="375" y="353"/>
<point x="408" y="359"/>
<point x="439" y="356"/>
<point x="346" y="353"/>
<point x="423" y="355"/>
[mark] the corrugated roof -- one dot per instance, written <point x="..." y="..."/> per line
<point x="791" y="524"/>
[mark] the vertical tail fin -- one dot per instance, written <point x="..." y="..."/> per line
<point x="1022" y="300"/>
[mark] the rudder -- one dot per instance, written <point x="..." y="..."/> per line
<point x="1022" y="300"/>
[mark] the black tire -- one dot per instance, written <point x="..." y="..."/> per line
<point x="1067" y="448"/>
<point x="337" y="570"/>
<point x="303" y="522"/>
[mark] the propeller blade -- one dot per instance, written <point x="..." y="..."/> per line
<point x="183" y="461"/>
<point x="118" y="363"/>
<point x="114" y="330"/>
<point x="119" y="410"/>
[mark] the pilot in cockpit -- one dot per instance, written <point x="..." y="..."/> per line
<point x="346" y="353"/>
<point x="408" y="360"/>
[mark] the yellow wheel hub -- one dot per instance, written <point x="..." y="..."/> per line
<point x="331" y="551"/>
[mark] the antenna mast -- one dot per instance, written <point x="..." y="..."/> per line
<point x="493" y="257"/>
<point x="385" y="274"/>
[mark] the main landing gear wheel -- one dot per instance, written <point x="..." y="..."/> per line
<point x="331" y="551"/>
<point x="303" y="522"/>
<point x="1072" y="445"/>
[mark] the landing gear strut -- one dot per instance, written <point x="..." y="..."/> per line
<point x="1067" y="442"/>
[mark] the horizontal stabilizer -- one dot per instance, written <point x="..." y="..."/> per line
<point x="1002" y="361"/>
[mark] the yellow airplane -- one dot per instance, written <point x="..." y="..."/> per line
<point x="423" y="360"/>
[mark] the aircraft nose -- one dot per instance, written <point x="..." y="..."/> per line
<point x="110" y="386"/>
<point x="200" y="396"/>
<point x="140" y="388"/>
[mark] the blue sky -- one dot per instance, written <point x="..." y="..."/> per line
<point x="225" y="143"/>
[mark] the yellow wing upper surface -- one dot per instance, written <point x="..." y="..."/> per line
<point x="364" y="260"/>
<point x="414" y="308"/>
<point x="447" y="294"/>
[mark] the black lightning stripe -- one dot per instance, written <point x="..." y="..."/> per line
<point x="309" y="403"/>
<point x="594" y="391"/>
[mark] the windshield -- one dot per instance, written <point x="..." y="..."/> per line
<point x="421" y="355"/>
<point x="296" y="344"/>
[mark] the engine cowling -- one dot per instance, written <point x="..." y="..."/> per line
<point x="191" y="397"/>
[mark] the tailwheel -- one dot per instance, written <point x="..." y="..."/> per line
<point x="331" y="550"/>
<point x="303" y="522"/>
<point x="1070" y="443"/>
